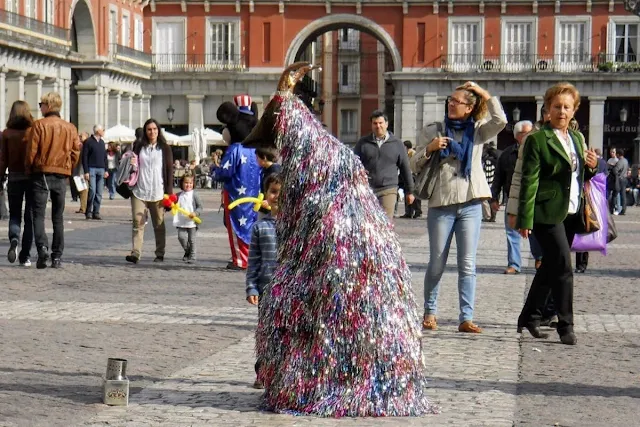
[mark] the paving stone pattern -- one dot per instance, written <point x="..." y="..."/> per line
<point x="188" y="335"/>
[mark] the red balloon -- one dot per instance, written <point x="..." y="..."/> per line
<point x="173" y="198"/>
<point x="166" y="203"/>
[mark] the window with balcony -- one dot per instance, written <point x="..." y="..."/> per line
<point x="572" y="44"/>
<point x="31" y="8"/>
<point x="125" y="37"/>
<point x="517" y="43"/>
<point x="626" y="43"/>
<point x="465" y="43"/>
<point x="169" y="44"/>
<point x="47" y="7"/>
<point x="11" y="6"/>
<point x="349" y="77"/>
<point x="224" y="43"/>
<point x="113" y="27"/>
<point x="349" y="126"/>
<point x="349" y="39"/>
<point x="138" y="35"/>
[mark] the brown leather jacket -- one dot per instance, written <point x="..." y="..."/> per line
<point x="13" y="151"/>
<point x="52" y="146"/>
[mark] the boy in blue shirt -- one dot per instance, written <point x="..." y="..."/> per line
<point x="263" y="249"/>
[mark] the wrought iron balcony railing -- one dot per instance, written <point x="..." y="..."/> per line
<point x="187" y="62"/>
<point x="18" y="28"/>
<point x="517" y="63"/>
<point x="126" y="56"/>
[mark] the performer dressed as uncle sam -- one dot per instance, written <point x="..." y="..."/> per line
<point x="240" y="174"/>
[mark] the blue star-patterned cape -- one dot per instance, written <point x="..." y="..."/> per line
<point x="240" y="174"/>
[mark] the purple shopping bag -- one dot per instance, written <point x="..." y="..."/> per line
<point x="596" y="241"/>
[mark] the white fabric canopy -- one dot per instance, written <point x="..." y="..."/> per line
<point x="170" y="137"/>
<point x="119" y="133"/>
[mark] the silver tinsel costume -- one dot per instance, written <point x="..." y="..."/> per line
<point x="339" y="331"/>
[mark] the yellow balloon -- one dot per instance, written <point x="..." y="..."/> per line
<point x="257" y="202"/>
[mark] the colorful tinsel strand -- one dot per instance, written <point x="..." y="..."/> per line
<point x="339" y="331"/>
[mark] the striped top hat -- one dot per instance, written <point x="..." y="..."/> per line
<point x="243" y="102"/>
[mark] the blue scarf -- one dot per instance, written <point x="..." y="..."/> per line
<point x="461" y="150"/>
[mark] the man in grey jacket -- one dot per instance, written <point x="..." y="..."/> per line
<point x="383" y="155"/>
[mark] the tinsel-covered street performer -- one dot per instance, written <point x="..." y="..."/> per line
<point x="240" y="174"/>
<point x="339" y="330"/>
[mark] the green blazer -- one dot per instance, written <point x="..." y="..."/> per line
<point x="546" y="178"/>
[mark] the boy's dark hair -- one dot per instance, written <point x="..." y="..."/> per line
<point x="267" y="153"/>
<point x="378" y="113"/>
<point x="408" y="144"/>
<point x="274" y="178"/>
<point x="619" y="152"/>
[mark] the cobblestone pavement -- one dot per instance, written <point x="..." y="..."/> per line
<point x="187" y="334"/>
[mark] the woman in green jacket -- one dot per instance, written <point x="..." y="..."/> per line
<point x="555" y="164"/>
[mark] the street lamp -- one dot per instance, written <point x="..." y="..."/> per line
<point x="624" y="115"/>
<point x="170" y="111"/>
<point x="516" y="114"/>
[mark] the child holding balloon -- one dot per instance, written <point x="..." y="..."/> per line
<point x="187" y="221"/>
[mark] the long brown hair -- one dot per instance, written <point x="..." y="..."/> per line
<point x="20" y="117"/>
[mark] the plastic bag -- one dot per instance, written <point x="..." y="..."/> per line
<point x="596" y="241"/>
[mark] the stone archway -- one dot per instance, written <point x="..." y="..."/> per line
<point x="83" y="35"/>
<point x="339" y="21"/>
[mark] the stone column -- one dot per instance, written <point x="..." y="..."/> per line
<point x="101" y="107"/>
<point x="56" y="86"/>
<point x="145" y="109"/>
<point x="539" y="104"/>
<point x="3" y="99"/>
<point x="66" y="111"/>
<point x="196" y="103"/>
<point x="105" y="107"/>
<point x="596" y="121"/>
<point x="115" y="112"/>
<point x="128" y="119"/>
<point x="409" y="119"/>
<point x="87" y="109"/>
<point x="397" y="115"/>
<point x="136" y="116"/>
<point x="21" y="77"/>
<point x="39" y="96"/>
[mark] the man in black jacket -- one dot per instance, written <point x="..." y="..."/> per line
<point x="383" y="155"/>
<point x="94" y="163"/>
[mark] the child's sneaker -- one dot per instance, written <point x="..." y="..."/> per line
<point x="185" y="257"/>
<point x="258" y="384"/>
<point x="26" y="263"/>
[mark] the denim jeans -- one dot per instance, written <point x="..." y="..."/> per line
<point x="111" y="182"/>
<point x="514" y="258"/>
<point x="96" y="184"/>
<point x="45" y="186"/>
<point x="464" y="221"/>
<point x="18" y="191"/>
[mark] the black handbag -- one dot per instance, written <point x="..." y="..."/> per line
<point x="425" y="182"/>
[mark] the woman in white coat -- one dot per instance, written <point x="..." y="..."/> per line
<point x="455" y="207"/>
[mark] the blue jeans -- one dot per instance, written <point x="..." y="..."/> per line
<point x="464" y="221"/>
<point x="96" y="184"/>
<point x="18" y="191"/>
<point x="513" y="246"/>
<point x="111" y="182"/>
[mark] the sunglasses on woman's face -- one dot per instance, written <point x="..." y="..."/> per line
<point x="455" y="102"/>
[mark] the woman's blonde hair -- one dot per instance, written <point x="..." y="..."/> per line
<point x="480" y="109"/>
<point x="53" y="101"/>
<point x="564" y="88"/>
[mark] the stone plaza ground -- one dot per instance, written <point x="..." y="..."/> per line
<point x="187" y="334"/>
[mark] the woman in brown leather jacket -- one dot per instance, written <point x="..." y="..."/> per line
<point x="13" y="153"/>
